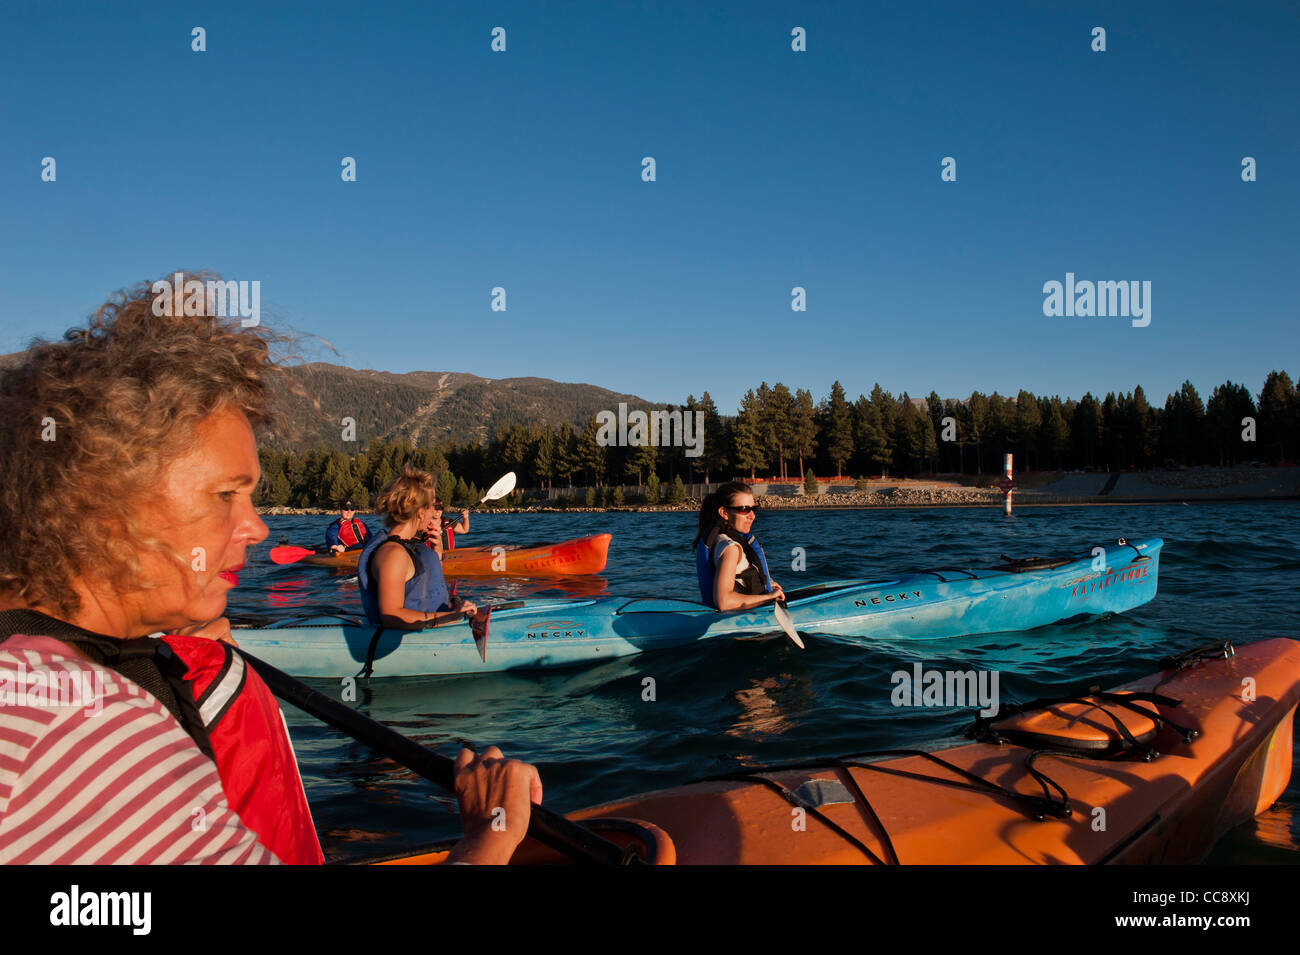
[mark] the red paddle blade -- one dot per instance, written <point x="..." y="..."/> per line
<point x="289" y="555"/>
<point x="479" y="627"/>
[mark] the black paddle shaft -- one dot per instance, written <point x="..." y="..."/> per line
<point x="548" y="828"/>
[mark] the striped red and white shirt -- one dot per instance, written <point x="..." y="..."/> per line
<point x="107" y="780"/>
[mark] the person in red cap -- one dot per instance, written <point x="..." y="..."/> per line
<point x="347" y="533"/>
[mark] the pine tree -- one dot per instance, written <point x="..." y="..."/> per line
<point x="1229" y="405"/>
<point x="1277" y="402"/>
<point x="777" y="408"/>
<point x="652" y="489"/>
<point x="839" y="428"/>
<point x="748" y="435"/>
<point x="642" y="461"/>
<point x="1143" y="429"/>
<point x="566" y="453"/>
<point x="1085" y="432"/>
<point x="714" y="458"/>
<point x="1028" y="422"/>
<point x="1111" y="431"/>
<point x="446" y="486"/>
<point x="1055" y="443"/>
<point x="934" y="408"/>
<point x="803" y="426"/>
<point x="926" y="442"/>
<point x="1183" y="434"/>
<point x="591" y="453"/>
<point x="913" y="436"/>
<point x="978" y="406"/>
<point x="678" y="492"/>
<point x="544" y="457"/>
<point x="513" y="445"/>
<point x="1001" y="430"/>
<point x="873" y="439"/>
<point x="279" y="492"/>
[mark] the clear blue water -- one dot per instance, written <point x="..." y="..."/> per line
<point x="1228" y="571"/>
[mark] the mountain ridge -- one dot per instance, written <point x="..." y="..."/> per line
<point x="427" y="407"/>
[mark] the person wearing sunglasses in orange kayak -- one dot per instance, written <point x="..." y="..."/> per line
<point x="440" y="534"/>
<point x="729" y="561"/>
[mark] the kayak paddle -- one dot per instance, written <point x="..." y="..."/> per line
<point x="498" y="490"/>
<point x="286" y="554"/>
<point x="547" y="827"/>
<point x="787" y="624"/>
<point x="479" y="627"/>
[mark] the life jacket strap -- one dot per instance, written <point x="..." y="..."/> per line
<point x="369" y="666"/>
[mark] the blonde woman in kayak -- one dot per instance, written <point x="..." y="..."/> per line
<point x="729" y="561"/>
<point x="156" y="414"/>
<point x="400" y="579"/>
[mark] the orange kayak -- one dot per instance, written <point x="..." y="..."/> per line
<point x="1204" y="749"/>
<point x="585" y="555"/>
<point x="347" y="559"/>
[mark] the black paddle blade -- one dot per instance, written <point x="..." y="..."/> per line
<point x="479" y="627"/>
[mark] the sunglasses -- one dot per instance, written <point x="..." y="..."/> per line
<point x="742" y="508"/>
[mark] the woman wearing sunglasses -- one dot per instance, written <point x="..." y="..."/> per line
<point x="729" y="561"/>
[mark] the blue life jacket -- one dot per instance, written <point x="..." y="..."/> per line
<point x="753" y="580"/>
<point x="426" y="592"/>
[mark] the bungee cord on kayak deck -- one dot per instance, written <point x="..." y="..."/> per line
<point x="1210" y="651"/>
<point x="984" y="730"/>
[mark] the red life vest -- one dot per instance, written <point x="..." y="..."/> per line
<point x="449" y="544"/>
<point x="351" y="532"/>
<point x="250" y="743"/>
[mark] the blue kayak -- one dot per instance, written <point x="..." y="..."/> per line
<point x="928" y="604"/>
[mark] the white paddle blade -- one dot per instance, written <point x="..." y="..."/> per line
<point x="500" y="489"/>
<point x="787" y="624"/>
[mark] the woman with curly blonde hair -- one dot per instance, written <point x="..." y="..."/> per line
<point x="152" y="411"/>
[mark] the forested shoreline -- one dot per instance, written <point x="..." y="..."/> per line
<point x="783" y="434"/>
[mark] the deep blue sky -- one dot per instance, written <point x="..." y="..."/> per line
<point x="775" y="169"/>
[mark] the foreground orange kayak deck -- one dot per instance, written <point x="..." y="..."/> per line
<point x="913" y="809"/>
<point x="583" y="555"/>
